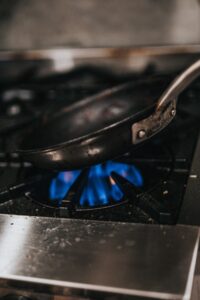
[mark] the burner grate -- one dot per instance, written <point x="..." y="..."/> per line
<point x="132" y="176"/>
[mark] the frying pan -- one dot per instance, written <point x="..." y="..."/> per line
<point x="105" y="125"/>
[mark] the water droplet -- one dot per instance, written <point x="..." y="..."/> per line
<point x="111" y="235"/>
<point x="130" y="243"/>
<point x="62" y="244"/>
<point x="77" y="239"/>
<point x="102" y="242"/>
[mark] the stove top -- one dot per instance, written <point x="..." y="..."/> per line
<point x="146" y="185"/>
<point x="51" y="241"/>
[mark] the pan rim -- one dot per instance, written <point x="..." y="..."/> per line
<point x="136" y="117"/>
<point x="89" y="136"/>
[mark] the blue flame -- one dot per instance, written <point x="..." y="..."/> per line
<point x="60" y="185"/>
<point x="100" y="188"/>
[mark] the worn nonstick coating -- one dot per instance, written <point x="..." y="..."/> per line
<point x="91" y="130"/>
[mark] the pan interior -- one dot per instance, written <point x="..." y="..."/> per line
<point x="87" y="116"/>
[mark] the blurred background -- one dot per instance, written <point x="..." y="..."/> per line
<point x="86" y="23"/>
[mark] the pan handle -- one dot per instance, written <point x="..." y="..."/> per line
<point x="166" y="106"/>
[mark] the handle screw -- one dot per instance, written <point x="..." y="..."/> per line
<point x="173" y="112"/>
<point x="141" y="134"/>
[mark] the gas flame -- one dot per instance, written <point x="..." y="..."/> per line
<point x="61" y="184"/>
<point x="100" y="187"/>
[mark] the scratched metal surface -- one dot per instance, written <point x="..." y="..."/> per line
<point x="117" y="258"/>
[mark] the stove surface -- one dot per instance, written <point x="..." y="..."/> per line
<point x="96" y="260"/>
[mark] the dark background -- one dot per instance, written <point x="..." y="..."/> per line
<point x="56" y="23"/>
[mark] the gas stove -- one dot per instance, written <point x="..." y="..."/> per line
<point x="148" y="185"/>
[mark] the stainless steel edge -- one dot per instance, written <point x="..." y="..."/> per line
<point x="78" y="257"/>
<point x="98" y="52"/>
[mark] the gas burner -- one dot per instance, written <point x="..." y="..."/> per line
<point x="129" y="181"/>
<point x="101" y="189"/>
<point x="98" y="187"/>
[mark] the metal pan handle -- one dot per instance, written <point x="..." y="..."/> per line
<point x="166" y="106"/>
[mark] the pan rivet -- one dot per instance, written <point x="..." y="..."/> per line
<point x="141" y="134"/>
<point x="173" y="112"/>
